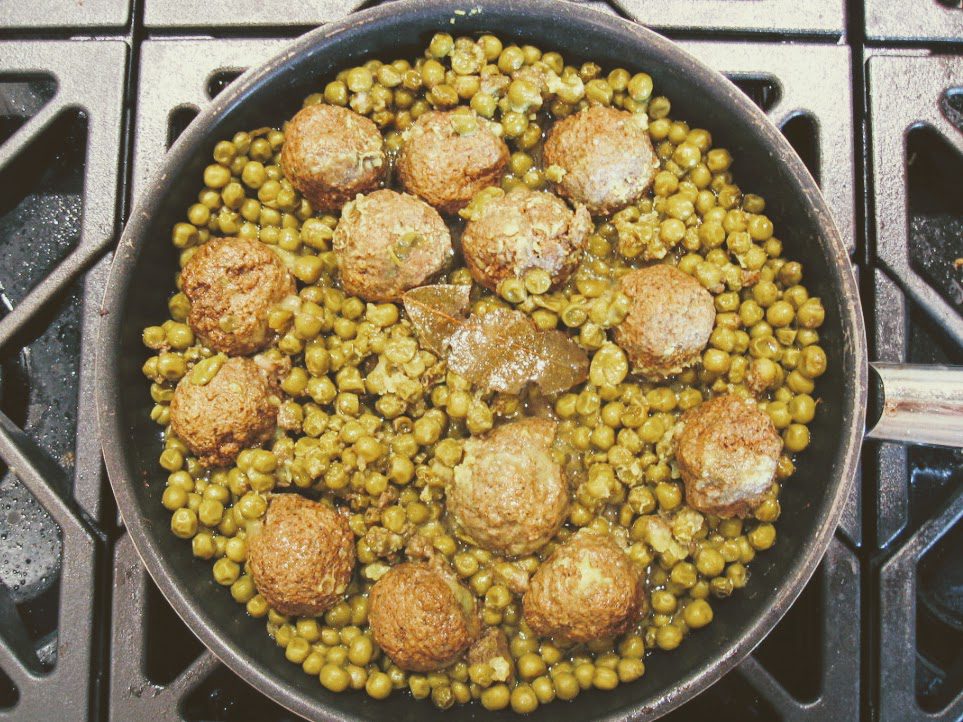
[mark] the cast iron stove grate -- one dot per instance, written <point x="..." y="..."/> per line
<point x="84" y="634"/>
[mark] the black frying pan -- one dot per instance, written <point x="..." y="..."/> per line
<point x="144" y="266"/>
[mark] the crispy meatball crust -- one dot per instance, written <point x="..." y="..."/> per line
<point x="418" y="616"/>
<point x="607" y="157"/>
<point x="508" y="494"/>
<point x="523" y="230"/>
<point x="331" y="154"/>
<point x="448" y="168"/>
<point x="587" y="589"/>
<point x="233" y="411"/>
<point x="302" y="559"/>
<point x="389" y="242"/>
<point x="727" y="451"/>
<point x="232" y="283"/>
<point x="669" y="321"/>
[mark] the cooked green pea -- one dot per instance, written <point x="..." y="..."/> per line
<point x="334" y="678"/>
<point x="668" y="637"/>
<point x="811" y="314"/>
<point x="802" y="408"/>
<point x="780" y="314"/>
<point x="512" y="290"/>
<point x="184" y="523"/>
<point x="630" y="669"/>
<point x="697" y="614"/>
<point x="497" y="697"/>
<point x="812" y="362"/>
<point x="441" y="45"/>
<point x="378" y="685"/>
<point x="523" y="699"/>
<point x="530" y="666"/>
<point x="796" y="437"/>
<point x="226" y="571"/>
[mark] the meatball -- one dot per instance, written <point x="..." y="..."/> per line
<point x="302" y="559"/>
<point x="587" y="589"/>
<point x="234" y="410"/>
<point x="389" y="242"/>
<point x="331" y="154"/>
<point x="508" y="494"/>
<point x="727" y="451"/>
<point x="521" y="231"/>
<point x="606" y="155"/>
<point x="232" y="283"/>
<point x="448" y="157"/>
<point x="421" y="617"/>
<point x="669" y="321"/>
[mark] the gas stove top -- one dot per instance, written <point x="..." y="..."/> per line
<point x="92" y="94"/>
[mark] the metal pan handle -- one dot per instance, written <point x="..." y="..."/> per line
<point x="920" y="404"/>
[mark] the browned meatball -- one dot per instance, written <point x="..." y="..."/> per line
<point x="727" y="451"/>
<point x="421" y="617"/>
<point x="521" y="231"/>
<point x="508" y="494"/>
<point x="302" y="559"/>
<point x="388" y="242"/>
<point x="669" y="321"/>
<point x="607" y="157"/>
<point x="587" y="589"/>
<point x="448" y="157"/>
<point x="234" y="410"/>
<point x="232" y="283"/>
<point x="331" y="154"/>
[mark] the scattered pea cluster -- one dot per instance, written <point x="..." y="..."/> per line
<point x="372" y="419"/>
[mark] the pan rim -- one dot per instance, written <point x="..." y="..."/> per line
<point x="298" y="698"/>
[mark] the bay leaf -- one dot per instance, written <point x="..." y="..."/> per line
<point x="436" y="311"/>
<point x="504" y="350"/>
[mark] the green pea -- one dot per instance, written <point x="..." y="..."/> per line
<point x="203" y="546"/>
<point x="336" y="93"/>
<point x="668" y="637"/>
<point x="174" y="498"/>
<point x="360" y="650"/>
<point x="216" y="176"/>
<point x="334" y="678"/>
<point x="441" y="45"/>
<point x="483" y="104"/>
<point x="378" y="685"/>
<point x="811" y="314"/>
<point x="812" y="362"/>
<point x="796" y="437"/>
<point x="697" y="614"/>
<point x="523" y="699"/>
<point x="780" y="314"/>
<point x="497" y="697"/>
<point x="184" y="523"/>
<point x="798" y="383"/>
<point x="802" y="408"/>
<point x="512" y="290"/>
<point x="609" y="366"/>
<point x="226" y="571"/>
<point x="530" y="666"/>
<point x="566" y="686"/>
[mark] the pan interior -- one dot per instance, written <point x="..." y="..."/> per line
<point x="142" y="278"/>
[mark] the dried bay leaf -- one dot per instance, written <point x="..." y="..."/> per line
<point x="504" y="350"/>
<point x="436" y="312"/>
<point x="564" y="363"/>
<point x="501" y="351"/>
<point x="494" y="351"/>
